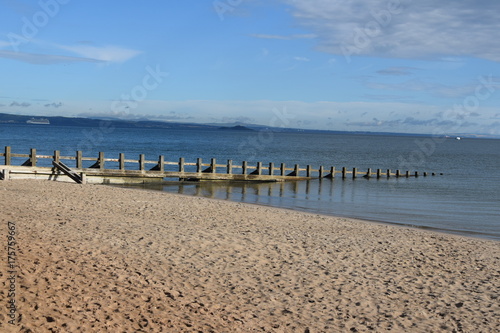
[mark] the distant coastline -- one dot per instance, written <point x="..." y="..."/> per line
<point x="6" y="118"/>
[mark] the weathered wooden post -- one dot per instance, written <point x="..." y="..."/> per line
<point x="344" y="172"/>
<point x="8" y="155"/>
<point x="213" y="166"/>
<point x="308" y="170"/>
<point x="6" y="174"/>
<point x="271" y="169"/>
<point x="101" y="160"/>
<point x="199" y="167"/>
<point x="259" y="168"/>
<point x="332" y="172"/>
<point x="244" y="167"/>
<point x="229" y="167"/>
<point x="379" y="173"/>
<point x="121" y="161"/>
<point x="79" y="159"/>
<point x="369" y="173"/>
<point x="57" y="156"/>
<point x="407" y="173"/>
<point x="398" y="173"/>
<point x="320" y="172"/>
<point x="161" y="163"/>
<point x="141" y="162"/>
<point x="354" y="170"/>
<point x="33" y="157"/>
<point x="425" y="174"/>
<point x="388" y="173"/>
<point x="416" y="173"/>
<point x="296" y="170"/>
<point x="181" y="164"/>
<point x="282" y="169"/>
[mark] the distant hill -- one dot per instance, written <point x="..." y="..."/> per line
<point x="237" y="128"/>
<point x="90" y="122"/>
<point x="6" y="118"/>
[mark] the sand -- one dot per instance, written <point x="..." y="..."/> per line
<point x="94" y="258"/>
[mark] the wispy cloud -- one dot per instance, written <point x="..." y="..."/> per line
<point x="42" y="59"/>
<point x="53" y="105"/>
<point x="412" y="29"/>
<point x="17" y="104"/>
<point x="105" y="53"/>
<point x="283" y="37"/>
<point x="82" y="52"/>
<point x="396" y="71"/>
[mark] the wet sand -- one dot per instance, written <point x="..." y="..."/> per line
<point x="93" y="258"/>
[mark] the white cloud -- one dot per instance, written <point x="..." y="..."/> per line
<point x="105" y="53"/>
<point x="412" y="29"/>
<point x="42" y="59"/>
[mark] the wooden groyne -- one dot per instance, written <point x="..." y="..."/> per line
<point x="121" y="170"/>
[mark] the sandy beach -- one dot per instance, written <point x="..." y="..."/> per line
<point x="93" y="258"/>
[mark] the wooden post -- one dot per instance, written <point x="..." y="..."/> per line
<point x="271" y="169"/>
<point x="308" y="170"/>
<point x="244" y="167"/>
<point x="344" y="172"/>
<point x="369" y="173"/>
<point x="425" y="174"/>
<point x="332" y="172"/>
<point x="296" y="170"/>
<point x="121" y="161"/>
<point x="57" y="156"/>
<point x="141" y="162"/>
<point x="388" y="173"/>
<point x="259" y="168"/>
<point x="33" y="157"/>
<point x="398" y="173"/>
<point x="161" y="163"/>
<point x="181" y="164"/>
<point x="416" y="173"/>
<point x="379" y="173"/>
<point x="407" y="173"/>
<point x="199" y="167"/>
<point x="354" y="170"/>
<point x="101" y="160"/>
<point x="229" y="167"/>
<point x="6" y="174"/>
<point x="213" y="166"/>
<point x="79" y="155"/>
<point x="282" y="169"/>
<point x="320" y="172"/>
<point x="8" y="155"/>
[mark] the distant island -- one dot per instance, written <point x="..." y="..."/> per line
<point x="237" y="128"/>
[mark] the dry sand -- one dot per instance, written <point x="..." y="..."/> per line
<point x="94" y="259"/>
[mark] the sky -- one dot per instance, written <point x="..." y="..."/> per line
<point x="382" y="65"/>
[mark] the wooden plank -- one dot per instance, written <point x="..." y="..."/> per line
<point x="67" y="171"/>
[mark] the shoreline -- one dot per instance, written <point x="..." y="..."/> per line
<point x="456" y="232"/>
<point x="97" y="258"/>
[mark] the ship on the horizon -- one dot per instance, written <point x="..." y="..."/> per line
<point x="38" y="121"/>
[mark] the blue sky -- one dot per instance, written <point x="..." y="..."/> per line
<point x="393" y="65"/>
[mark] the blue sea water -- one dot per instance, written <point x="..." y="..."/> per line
<point x="465" y="199"/>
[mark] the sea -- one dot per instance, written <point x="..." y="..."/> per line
<point x="463" y="196"/>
